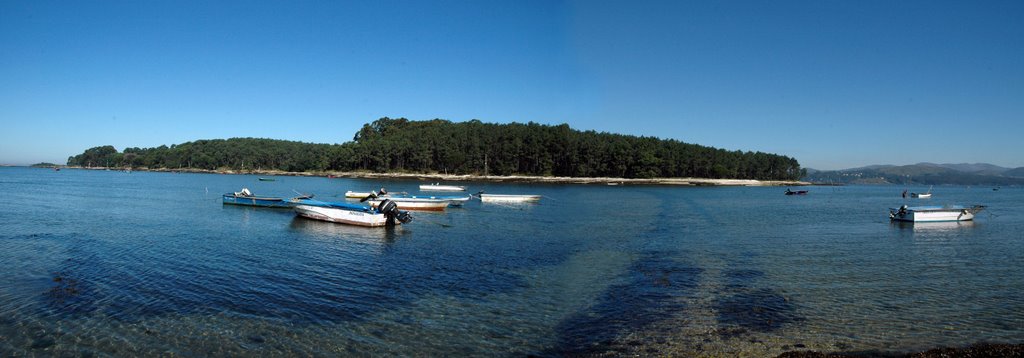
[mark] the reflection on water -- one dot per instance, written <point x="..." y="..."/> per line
<point x="329" y="230"/>
<point x="941" y="226"/>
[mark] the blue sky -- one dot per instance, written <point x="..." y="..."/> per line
<point x="835" y="84"/>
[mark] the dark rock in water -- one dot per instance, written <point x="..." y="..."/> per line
<point x="977" y="350"/>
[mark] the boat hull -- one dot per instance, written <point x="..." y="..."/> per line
<point x="509" y="198"/>
<point x="920" y="196"/>
<point x="356" y="194"/>
<point x="416" y="204"/>
<point x="934" y="214"/>
<point x="442" y="188"/>
<point x="453" y="200"/>
<point x="256" y="201"/>
<point x="341" y="216"/>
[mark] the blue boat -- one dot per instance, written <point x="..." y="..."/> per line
<point x="246" y="197"/>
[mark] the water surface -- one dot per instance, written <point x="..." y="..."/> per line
<point x="106" y="262"/>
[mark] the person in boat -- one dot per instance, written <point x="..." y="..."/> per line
<point x="904" y="193"/>
<point x="789" y="192"/>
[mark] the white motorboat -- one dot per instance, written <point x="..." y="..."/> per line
<point x="385" y="213"/>
<point x="934" y="213"/>
<point x="922" y="195"/>
<point x="439" y="187"/>
<point x="509" y="198"/>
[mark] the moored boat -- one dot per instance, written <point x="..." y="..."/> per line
<point x="513" y="198"/>
<point x="268" y="179"/>
<point x="922" y="195"/>
<point x="934" y="213"/>
<point x="419" y="204"/>
<point x="357" y="194"/>
<point x="247" y="198"/>
<point x="439" y="187"/>
<point x="453" y="200"/>
<point x="387" y="213"/>
<point x="796" y="192"/>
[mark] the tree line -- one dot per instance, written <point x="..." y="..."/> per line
<point x="472" y="147"/>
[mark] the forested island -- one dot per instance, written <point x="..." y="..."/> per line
<point x="472" y="147"/>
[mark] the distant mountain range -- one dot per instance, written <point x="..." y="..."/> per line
<point x="921" y="173"/>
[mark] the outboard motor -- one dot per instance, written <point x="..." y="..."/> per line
<point x="391" y="212"/>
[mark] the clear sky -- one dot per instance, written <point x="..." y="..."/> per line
<point x="835" y="84"/>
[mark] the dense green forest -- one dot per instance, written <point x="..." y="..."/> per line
<point x="473" y="147"/>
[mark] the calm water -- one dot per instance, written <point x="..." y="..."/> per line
<point x="105" y="262"/>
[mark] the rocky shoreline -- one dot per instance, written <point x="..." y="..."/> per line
<point x="976" y="350"/>
<point x="439" y="177"/>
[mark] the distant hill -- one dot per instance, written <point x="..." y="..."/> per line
<point x="976" y="168"/>
<point x="1015" y="173"/>
<point x="922" y="173"/>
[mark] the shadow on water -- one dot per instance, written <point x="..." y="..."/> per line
<point x="652" y="293"/>
<point x="749" y="308"/>
<point x="741" y="278"/>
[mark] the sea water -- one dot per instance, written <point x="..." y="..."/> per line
<point x="112" y="263"/>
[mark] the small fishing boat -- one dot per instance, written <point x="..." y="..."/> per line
<point x="365" y="194"/>
<point x="357" y="194"/>
<point x="922" y="195"/>
<point x="439" y="187"/>
<point x="385" y="214"/>
<point x="796" y="192"/>
<point x="453" y="200"/>
<point x="246" y="197"/>
<point x="934" y="213"/>
<point x="268" y="179"/>
<point x="419" y="204"/>
<point x="509" y="198"/>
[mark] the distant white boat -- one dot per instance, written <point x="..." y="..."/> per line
<point x="439" y="187"/>
<point x="509" y="198"/>
<point x="934" y="213"/>
<point x="922" y="195"/>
